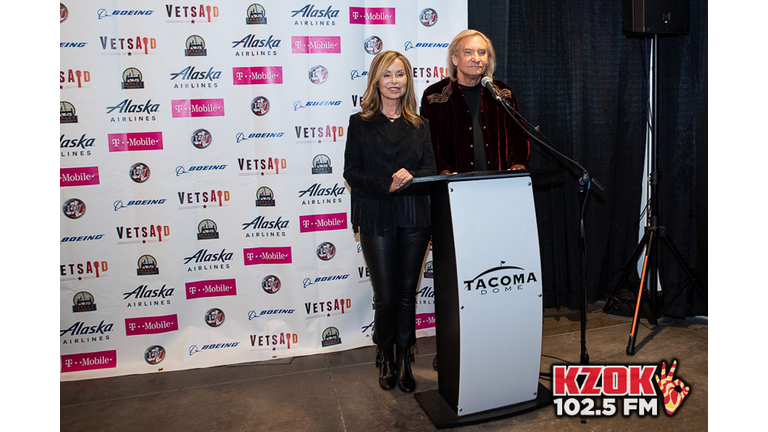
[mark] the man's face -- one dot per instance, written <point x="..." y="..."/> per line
<point x="471" y="59"/>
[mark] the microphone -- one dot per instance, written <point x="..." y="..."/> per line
<point x="488" y="83"/>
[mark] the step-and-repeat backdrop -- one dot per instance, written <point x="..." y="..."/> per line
<point x="204" y="214"/>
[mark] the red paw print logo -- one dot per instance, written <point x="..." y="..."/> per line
<point x="674" y="390"/>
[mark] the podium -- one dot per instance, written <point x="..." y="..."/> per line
<point x="488" y="297"/>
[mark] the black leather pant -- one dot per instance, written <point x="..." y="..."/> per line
<point x="395" y="264"/>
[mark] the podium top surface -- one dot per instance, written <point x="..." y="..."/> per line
<point x="424" y="185"/>
<point x="474" y="175"/>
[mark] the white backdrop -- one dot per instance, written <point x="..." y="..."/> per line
<point x="204" y="215"/>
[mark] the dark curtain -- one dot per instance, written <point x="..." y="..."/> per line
<point x="585" y="84"/>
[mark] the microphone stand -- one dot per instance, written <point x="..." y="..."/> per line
<point x="585" y="184"/>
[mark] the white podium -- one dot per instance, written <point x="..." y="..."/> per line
<point x="488" y="297"/>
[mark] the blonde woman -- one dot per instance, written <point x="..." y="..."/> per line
<point x="388" y="144"/>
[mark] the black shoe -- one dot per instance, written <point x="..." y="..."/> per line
<point x="385" y="361"/>
<point x="404" y="374"/>
<point x="434" y="362"/>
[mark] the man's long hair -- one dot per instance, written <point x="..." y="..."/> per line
<point x="453" y="49"/>
<point x="371" y="103"/>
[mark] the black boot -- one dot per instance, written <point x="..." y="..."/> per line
<point x="404" y="374"/>
<point x="385" y="361"/>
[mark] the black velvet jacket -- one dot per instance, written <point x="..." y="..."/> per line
<point x="505" y="142"/>
<point x="370" y="159"/>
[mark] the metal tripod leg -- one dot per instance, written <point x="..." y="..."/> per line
<point x="644" y="244"/>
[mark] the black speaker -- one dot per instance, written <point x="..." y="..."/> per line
<point x="670" y="17"/>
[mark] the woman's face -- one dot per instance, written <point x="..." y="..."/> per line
<point x="394" y="82"/>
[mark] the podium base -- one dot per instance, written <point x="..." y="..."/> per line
<point x="443" y="416"/>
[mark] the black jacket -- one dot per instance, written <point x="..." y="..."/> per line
<point x="371" y="157"/>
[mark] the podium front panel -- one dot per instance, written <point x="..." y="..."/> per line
<point x="498" y="273"/>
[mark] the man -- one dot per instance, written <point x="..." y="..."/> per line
<point x="470" y="130"/>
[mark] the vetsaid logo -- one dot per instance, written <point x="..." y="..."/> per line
<point x="186" y="13"/>
<point x="203" y="199"/>
<point x="211" y="288"/>
<point x="328" y="308"/>
<point x="257" y="75"/>
<point x="142" y="233"/>
<point x="79" y="176"/>
<point x="274" y="341"/>
<point x="267" y="255"/>
<point x="151" y="325"/>
<point x="135" y="141"/>
<point x="84" y="270"/>
<point x="316" y="44"/>
<point x="312" y="134"/>
<point x="73" y="78"/>
<point x="376" y="15"/>
<point x="197" y="108"/>
<point x="262" y="166"/>
<point x="326" y="222"/>
<point x="128" y="45"/>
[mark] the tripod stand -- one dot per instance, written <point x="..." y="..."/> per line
<point x="654" y="236"/>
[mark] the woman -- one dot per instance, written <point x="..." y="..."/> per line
<point x="388" y="145"/>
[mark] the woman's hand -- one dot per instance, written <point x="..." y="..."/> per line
<point x="400" y="179"/>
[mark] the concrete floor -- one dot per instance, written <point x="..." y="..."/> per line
<point x="339" y="391"/>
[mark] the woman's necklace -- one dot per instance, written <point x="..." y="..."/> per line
<point x="391" y="117"/>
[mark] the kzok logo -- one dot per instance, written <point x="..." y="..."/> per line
<point x="578" y="389"/>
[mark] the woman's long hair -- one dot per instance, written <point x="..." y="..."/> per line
<point x="371" y="103"/>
